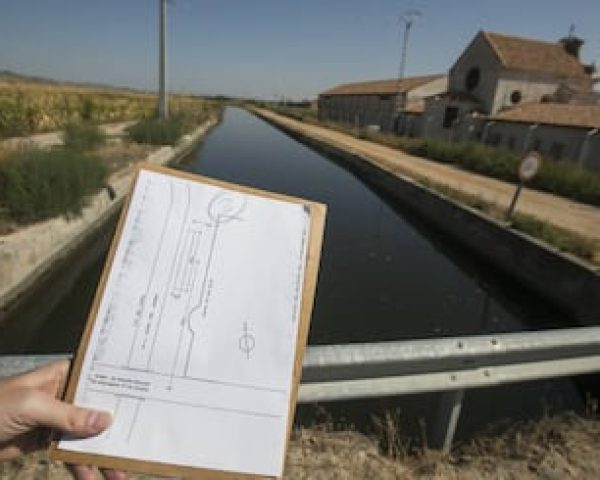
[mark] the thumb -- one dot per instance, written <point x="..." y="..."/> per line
<point x="40" y="409"/>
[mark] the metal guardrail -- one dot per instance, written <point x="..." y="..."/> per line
<point x="447" y="365"/>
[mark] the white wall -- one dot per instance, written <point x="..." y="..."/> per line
<point x="480" y="55"/>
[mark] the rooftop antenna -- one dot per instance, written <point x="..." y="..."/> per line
<point x="163" y="105"/>
<point x="572" y="30"/>
<point x="408" y="18"/>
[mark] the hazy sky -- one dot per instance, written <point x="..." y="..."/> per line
<point x="266" y="48"/>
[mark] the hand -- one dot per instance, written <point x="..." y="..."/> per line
<point x="29" y="407"/>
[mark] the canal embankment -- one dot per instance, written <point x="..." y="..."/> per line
<point x="563" y="279"/>
<point x="28" y="254"/>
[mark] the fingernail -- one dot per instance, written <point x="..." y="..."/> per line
<point x="99" y="421"/>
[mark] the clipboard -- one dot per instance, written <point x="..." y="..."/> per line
<point x="316" y="223"/>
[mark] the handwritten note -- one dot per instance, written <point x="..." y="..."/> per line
<point x="194" y="340"/>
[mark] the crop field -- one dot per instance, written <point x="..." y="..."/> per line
<point x="33" y="107"/>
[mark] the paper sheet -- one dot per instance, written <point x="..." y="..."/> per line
<point x="193" y="346"/>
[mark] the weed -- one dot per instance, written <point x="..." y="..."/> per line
<point x="36" y="184"/>
<point x="560" y="238"/>
<point x="83" y="136"/>
<point x="155" y="131"/>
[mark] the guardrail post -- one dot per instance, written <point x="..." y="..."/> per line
<point x="442" y="432"/>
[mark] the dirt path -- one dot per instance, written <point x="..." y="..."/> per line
<point x="50" y="139"/>
<point x="577" y="217"/>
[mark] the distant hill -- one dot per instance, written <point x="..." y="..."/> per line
<point x="8" y="76"/>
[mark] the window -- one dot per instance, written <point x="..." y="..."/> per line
<point x="473" y="78"/>
<point x="450" y="116"/>
<point x="515" y="97"/>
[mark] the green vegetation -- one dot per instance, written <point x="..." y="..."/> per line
<point x="562" y="178"/>
<point x="155" y="131"/>
<point x="83" y="136"/>
<point x="560" y="238"/>
<point x="37" y="184"/>
<point x="558" y="177"/>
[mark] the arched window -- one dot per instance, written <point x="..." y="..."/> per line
<point x="473" y="77"/>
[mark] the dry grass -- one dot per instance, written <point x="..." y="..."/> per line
<point x="117" y="154"/>
<point x="562" y="447"/>
<point x="27" y="108"/>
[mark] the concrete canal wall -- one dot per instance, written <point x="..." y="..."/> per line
<point x="561" y="278"/>
<point x="29" y="254"/>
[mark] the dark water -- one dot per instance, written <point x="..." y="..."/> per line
<point x="384" y="274"/>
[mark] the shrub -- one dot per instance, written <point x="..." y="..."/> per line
<point x="37" y="184"/>
<point x="156" y="131"/>
<point x="562" y="239"/>
<point x="83" y="136"/>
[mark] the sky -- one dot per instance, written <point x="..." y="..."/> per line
<point x="266" y="48"/>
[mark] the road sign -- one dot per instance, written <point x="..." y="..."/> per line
<point x="529" y="166"/>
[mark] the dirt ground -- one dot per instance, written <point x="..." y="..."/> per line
<point x="577" y="217"/>
<point x="554" y="448"/>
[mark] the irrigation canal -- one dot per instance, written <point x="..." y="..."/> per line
<point x="385" y="275"/>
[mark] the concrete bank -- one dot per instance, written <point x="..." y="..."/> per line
<point x="561" y="278"/>
<point x="29" y="254"/>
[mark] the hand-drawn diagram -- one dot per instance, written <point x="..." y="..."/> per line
<point x="247" y="341"/>
<point x="201" y="274"/>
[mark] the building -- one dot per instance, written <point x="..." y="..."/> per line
<point x="520" y="94"/>
<point x="512" y="92"/>
<point x="375" y="104"/>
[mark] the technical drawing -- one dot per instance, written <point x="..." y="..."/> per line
<point x="246" y="341"/>
<point x="166" y="309"/>
<point x="187" y="263"/>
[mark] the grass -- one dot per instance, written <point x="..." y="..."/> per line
<point x="155" y="131"/>
<point x="560" y="238"/>
<point x="83" y="136"/>
<point x="36" y="184"/>
<point x="560" y="177"/>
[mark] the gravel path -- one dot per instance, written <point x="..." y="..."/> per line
<point x="577" y="217"/>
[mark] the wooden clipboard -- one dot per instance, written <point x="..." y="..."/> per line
<point x="317" y="225"/>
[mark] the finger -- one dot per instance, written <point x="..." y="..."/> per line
<point x="9" y="451"/>
<point x="82" y="472"/>
<point x="54" y="373"/>
<point x="110" y="474"/>
<point x="39" y="409"/>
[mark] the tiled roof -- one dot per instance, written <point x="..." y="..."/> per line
<point x="381" y="87"/>
<point x="534" y="55"/>
<point x="558" y="114"/>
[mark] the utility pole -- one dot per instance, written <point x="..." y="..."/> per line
<point x="163" y="102"/>
<point x="408" y="18"/>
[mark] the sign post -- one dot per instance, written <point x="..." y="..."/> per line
<point x="528" y="168"/>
